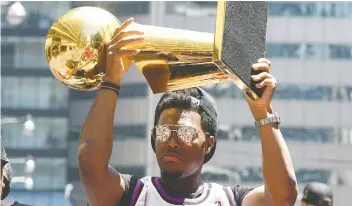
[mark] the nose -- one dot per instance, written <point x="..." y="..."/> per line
<point x="173" y="141"/>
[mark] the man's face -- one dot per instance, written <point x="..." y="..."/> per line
<point x="176" y="156"/>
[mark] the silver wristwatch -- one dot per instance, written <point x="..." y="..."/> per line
<point x="274" y="118"/>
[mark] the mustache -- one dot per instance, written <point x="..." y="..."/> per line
<point x="173" y="152"/>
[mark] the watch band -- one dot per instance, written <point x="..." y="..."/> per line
<point x="274" y="118"/>
<point x="111" y="86"/>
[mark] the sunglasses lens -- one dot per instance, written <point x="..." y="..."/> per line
<point x="187" y="134"/>
<point x="162" y="133"/>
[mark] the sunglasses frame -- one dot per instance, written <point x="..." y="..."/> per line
<point x="196" y="132"/>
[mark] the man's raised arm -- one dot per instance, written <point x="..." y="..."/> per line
<point x="280" y="187"/>
<point x="102" y="183"/>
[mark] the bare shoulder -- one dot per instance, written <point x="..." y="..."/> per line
<point x="105" y="190"/>
<point x="256" y="197"/>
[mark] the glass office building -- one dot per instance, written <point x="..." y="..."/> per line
<point x="28" y="88"/>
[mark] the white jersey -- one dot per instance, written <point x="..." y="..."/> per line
<point x="148" y="192"/>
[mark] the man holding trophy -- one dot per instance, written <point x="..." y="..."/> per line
<point x="180" y="154"/>
<point x="185" y="122"/>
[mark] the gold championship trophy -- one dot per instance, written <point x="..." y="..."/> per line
<point x="170" y="59"/>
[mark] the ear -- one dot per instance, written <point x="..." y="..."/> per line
<point x="210" y="144"/>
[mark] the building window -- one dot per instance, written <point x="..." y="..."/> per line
<point x="48" y="133"/>
<point x="31" y="54"/>
<point x="284" y="9"/>
<point x="191" y="8"/>
<point x="340" y="52"/>
<point x="348" y="92"/>
<point x="130" y="131"/>
<point x="7" y="54"/>
<point x="33" y="93"/>
<point x="305" y="176"/>
<point x="308" y="51"/>
<point x="25" y="53"/>
<point x="119" y="9"/>
<point x="284" y="50"/>
<point x="134" y="90"/>
<point x="255" y="174"/>
<point x="224" y="90"/>
<point x="300" y="134"/>
<point x="308" y="134"/>
<point x="49" y="174"/>
<point x="303" y="92"/>
<point x="309" y="9"/>
<point x="316" y="51"/>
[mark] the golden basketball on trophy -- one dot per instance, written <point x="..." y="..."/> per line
<point x="170" y="59"/>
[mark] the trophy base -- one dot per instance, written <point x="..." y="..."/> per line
<point x="240" y="37"/>
<point x="237" y="80"/>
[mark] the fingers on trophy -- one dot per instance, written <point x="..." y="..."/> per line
<point x="122" y="37"/>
